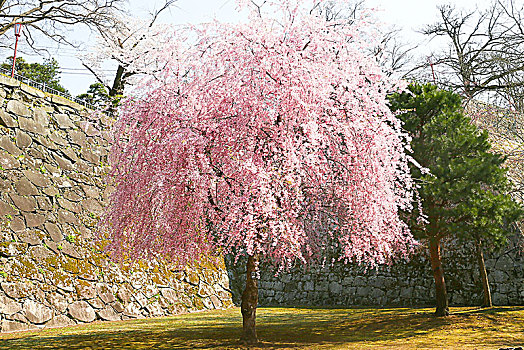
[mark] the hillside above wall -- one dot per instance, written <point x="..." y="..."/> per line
<point x="53" y="157"/>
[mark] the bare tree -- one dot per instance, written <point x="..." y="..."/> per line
<point x="484" y="54"/>
<point x="52" y="18"/>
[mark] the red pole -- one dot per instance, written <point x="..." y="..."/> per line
<point x="18" y="28"/>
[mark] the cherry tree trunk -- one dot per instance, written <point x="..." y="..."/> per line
<point x="249" y="303"/>
<point x="438" y="275"/>
<point x="484" y="276"/>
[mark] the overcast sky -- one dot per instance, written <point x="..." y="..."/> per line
<point x="411" y="15"/>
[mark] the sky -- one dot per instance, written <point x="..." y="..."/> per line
<point x="410" y="15"/>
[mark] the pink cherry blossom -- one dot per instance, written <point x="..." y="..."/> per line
<point x="271" y="137"/>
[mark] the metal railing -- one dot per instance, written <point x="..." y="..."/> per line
<point x="45" y="88"/>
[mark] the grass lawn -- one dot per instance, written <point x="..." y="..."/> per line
<point x="293" y="328"/>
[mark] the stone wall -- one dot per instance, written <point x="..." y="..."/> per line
<point x="401" y="284"/>
<point x="53" y="155"/>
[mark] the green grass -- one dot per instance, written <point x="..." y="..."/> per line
<point x="293" y="328"/>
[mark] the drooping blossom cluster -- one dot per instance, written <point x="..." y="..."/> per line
<point x="271" y="137"/>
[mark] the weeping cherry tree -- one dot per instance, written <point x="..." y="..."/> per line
<point x="270" y="139"/>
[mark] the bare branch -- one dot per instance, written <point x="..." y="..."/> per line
<point x="484" y="56"/>
<point x="51" y="18"/>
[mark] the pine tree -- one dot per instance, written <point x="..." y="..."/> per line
<point x="47" y="73"/>
<point x="464" y="195"/>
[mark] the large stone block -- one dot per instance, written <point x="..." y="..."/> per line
<point x="70" y="153"/>
<point x="41" y="116"/>
<point x="17" y="224"/>
<point x="6" y="144"/>
<point x="63" y="163"/>
<point x="23" y="140"/>
<point x="85" y="289"/>
<point x="13" y="326"/>
<point x="31" y="125"/>
<point x="61" y="280"/>
<point x="132" y="310"/>
<point x="8" y="81"/>
<point x="51" y="191"/>
<point x="78" y="137"/>
<point x="18" y="290"/>
<point x="90" y="156"/>
<point x="65" y="216"/>
<point x="71" y="206"/>
<point x="96" y="303"/>
<point x="92" y="206"/>
<point x="9" y="306"/>
<point x="59" y="100"/>
<point x="38" y="179"/>
<point x="154" y="309"/>
<point x="60" y="321"/>
<point x="140" y="298"/>
<point x="71" y="250"/>
<point x="7" y="209"/>
<point x="32" y="91"/>
<point x="37" y="313"/>
<point x="108" y="314"/>
<point x="7" y="161"/>
<point x="73" y="195"/>
<point x="58" y="301"/>
<point x="124" y="294"/>
<point x="34" y="220"/>
<point x="62" y="182"/>
<point x="25" y="188"/>
<point x="23" y="203"/>
<point x="90" y="129"/>
<point x="82" y="311"/>
<point x="64" y="122"/>
<point x="57" y="138"/>
<point x="31" y="237"/>
<point x="105" y="293"/>
<point x="91" y="192"/>
<point x="44" y="203"/>
<point x="335" y="287"/>
<point x="118" y="307"/>
<point x="39" y="253"/>
<point x="18" y="108"/>
<point x="7" y="120"/>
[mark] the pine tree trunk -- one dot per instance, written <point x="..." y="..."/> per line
<point x="249" y="303"/>
<point x="438" y="275"/>
<point x="484" y="276"/>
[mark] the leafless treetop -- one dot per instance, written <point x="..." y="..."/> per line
<point x="484" y="53"/>
<point x="52" y="18"/>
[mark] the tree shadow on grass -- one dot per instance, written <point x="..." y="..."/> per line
<point x="277" y="328"/>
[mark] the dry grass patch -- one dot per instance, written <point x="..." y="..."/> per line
<point x="294" y="328"/>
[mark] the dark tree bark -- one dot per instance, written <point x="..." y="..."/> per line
<point x="438" y="274"/>
<point x="486" y="302"/>
<point x="249" y="303"/>
<point x="118" y="86"/>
